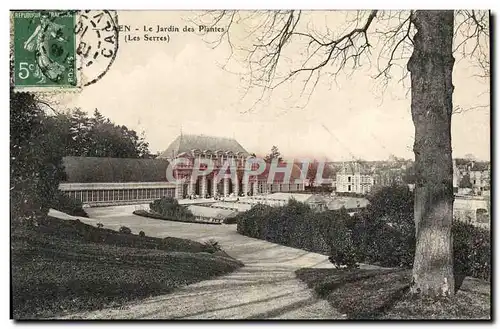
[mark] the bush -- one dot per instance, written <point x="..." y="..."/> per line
<point x="343" y="250"/>
<point x="385" y="230"/>
<point x="68" y="205"/>
<point x="230" y="220"/>
<point x="142" y="234"/>
<point x="381" y="234"/>
<point x="255" y="222"/>
<point x="295" y="225"/>
<point x="385" y="234"/>
<point x="472" y="250"/>
<point x="211" y="246"/>
<point x="125" y="230"/>
<point x="35" y="159"/>
<point x="169" y="207"/>
<point x="99" y="225"/>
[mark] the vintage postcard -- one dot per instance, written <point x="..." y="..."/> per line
<point x="232" y="164"/>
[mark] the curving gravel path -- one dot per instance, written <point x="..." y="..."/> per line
<point x="265" y="288"/>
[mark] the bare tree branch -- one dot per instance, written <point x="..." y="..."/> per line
<point x="272" y="58"/>
<point x="471" y="39"/>
<point x="459" y="109"/>
<point x="395" y="43"/>
<point x="268" y="59"/>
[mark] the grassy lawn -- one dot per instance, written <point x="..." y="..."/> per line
<point x="66" y="266"/>
<point x="383" y="294"/>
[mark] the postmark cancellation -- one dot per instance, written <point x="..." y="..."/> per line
<point x="55" y="51"/>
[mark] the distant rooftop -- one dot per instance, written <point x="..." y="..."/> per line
<point x="113" y="170"/>
<point x="351" y="168"/>
<point x="348" y="203"/>
<point x="185" y="143"/>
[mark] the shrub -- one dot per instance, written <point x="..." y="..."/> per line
<point x="142" y="234"/>
<point x="383" y="241"/>
<point x="211" y="246"/>
<point x="384" y="231"/>
<point x="169" y="207"/>
<point x="99" y="225"/>
<point x="125" y="230"/>
<point x="295" y="225"/>
<point x="472" y="250"/>
<point x="343" y="250"/>
<point x="382" y="234"/>
<point x="230" y="220"/>
<point x="68" y="205"/>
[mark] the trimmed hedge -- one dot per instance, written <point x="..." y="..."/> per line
<point x="381" y="234"/>
<point x="295" y="225"/>
<point x="149" y="214"/>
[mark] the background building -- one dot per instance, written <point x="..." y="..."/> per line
<point x="222" y="151"/>
<point x="471" y="177"/>
<point x="353" y="177"/>
<point x="106" y="181"/>
<point x="103" y="181"/>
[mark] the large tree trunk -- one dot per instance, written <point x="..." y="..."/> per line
<point x="431" y="66"/>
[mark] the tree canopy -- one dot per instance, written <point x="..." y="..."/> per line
<point x="35" y="159"/>
<point x="98" y="136"/>
<point x="38" y="142"/>
<point x="274" y="154"/>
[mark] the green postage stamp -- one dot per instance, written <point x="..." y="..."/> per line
<point x="44" y="47"/>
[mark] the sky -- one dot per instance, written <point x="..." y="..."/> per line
<point x="163" y="88"/>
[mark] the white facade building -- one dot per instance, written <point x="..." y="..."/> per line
<point x="352" y="178"/>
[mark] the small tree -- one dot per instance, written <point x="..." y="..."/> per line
<point x="275" y="154"/>
<point x="465" y="181"/>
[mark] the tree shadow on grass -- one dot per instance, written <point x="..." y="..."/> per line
<point x="359" y="293"/>
<point x="384" y="294"/>
<point x="459" y="279"/>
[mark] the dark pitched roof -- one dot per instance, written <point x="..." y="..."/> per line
<point x="351" y="168"/>
<point x="114" y="170"/>
<point x="187" y="143"/>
